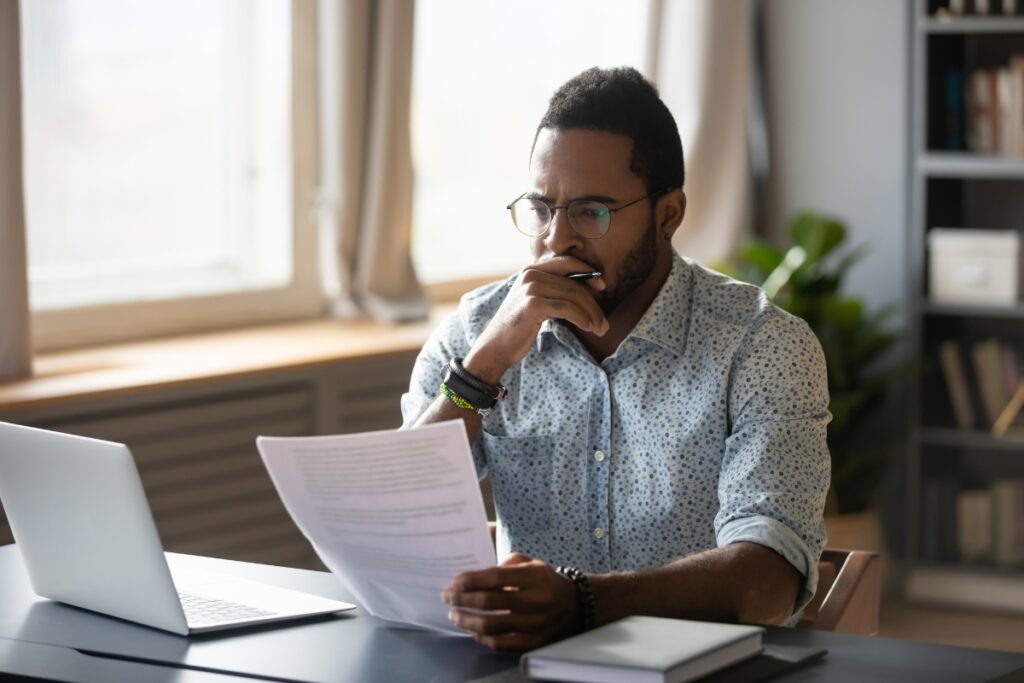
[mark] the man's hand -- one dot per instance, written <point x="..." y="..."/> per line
<point x="519" y="605"/>
<point x="541" y="292"/>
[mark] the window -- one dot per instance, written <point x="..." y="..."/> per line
<point x="478" y="94"/>
<point x="159" y="165"/>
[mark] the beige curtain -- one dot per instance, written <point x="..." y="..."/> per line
<point x="15" y="353"/>
<point x="700" y="56"/>
<point x="365" y="62"/>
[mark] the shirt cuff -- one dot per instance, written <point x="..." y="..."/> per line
<point x="773" y="534"/>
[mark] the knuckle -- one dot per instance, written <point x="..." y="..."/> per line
<point x="489" y="601"/>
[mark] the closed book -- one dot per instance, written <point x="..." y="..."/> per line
<point x="974" y="525"/>
<point x="644" y="649"/>
<point x="988" y="368"/>
<point x="1007" y="120"/>
<point x="982" y="112"/>
<point x="1008" y="522"/>
<point x="956" y="383"/>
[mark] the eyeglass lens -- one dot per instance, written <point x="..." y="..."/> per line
<point x="588" y="218"/>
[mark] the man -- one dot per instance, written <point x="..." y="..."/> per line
<point x="661" y="447"/>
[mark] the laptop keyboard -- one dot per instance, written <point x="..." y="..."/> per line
<point x="201" y="611"/>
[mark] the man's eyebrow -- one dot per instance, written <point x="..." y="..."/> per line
<point x="604" y="199"/>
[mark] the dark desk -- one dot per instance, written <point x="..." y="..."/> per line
<point x="360" y="648"/>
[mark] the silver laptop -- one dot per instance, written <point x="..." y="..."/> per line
<point x="87" y="537"/>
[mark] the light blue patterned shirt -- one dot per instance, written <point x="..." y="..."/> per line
<point x="704" y="428"/>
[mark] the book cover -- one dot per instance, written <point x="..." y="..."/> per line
<point x="988" y="368"/>
<point x="974" y="525"/>
<point x="982" y="112"/>
<point x="1007" y="117"/>
<point x="1011" y="370"/>
<point x="956" y="383"/>
<point x="1007" y="513"/>
<point x="1017" y="85"/>
<point x="955" y="135"/>
<point x="640" y="648"/>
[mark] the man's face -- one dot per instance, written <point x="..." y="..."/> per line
<point x="585" y="164"/>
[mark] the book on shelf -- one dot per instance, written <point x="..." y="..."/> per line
<point x="1007" y="497"/>
<point x="974" y="525"/>
<point x="640" y="648"/>
<point x="956" y="383"/>
<point x="990" y="524"/>
<point x="989" y="393"/>
<point x="987" y="356"/>
<point x="994" y="102"/>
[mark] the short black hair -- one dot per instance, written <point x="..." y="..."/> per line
<point x="623" y="102"/>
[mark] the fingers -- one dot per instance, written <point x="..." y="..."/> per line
<point x="497" y="624"/>
<point x="557" y="297"/>
<point x="521" y="575"/>
<point x="510" y="642"/>
<point x="518" y="605"/>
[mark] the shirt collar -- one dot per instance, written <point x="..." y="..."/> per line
<point x="664" y="323"/>
<point x="667" y="319"/>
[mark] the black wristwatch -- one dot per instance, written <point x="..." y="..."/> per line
<point x="483" y="396"/>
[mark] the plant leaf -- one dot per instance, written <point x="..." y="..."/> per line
<point x="816" y="234"/>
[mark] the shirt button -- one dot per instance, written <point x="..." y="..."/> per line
<point x="598" y="532"/>
<point x="599" y="455"/>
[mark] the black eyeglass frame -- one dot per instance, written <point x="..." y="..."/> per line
<point x="553" y="209"/>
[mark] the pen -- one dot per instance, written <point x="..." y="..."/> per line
<point x="583" y="276"/>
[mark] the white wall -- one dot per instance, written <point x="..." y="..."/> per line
<point x="837" y="90"/>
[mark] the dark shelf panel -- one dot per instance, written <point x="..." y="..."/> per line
<point x="972" y="569"/>
<point x="973" y="310"/>
<point x="992" y="24"/>
<point x="965" y="438"/>
<point x="967" y="165"/>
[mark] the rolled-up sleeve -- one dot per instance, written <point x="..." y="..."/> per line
<point x="449" y="339"/>
<point x="776" y="469"/>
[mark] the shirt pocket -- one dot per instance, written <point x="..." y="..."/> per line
<point x="520" y="469"/>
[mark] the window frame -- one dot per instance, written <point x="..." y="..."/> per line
<point x="303" y="297"/>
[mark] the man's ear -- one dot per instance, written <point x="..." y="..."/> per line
<point x="671" y="210"/>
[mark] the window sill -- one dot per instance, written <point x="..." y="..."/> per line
<point x="126" y="369"/>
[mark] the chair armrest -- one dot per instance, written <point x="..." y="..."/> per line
<point x="852" y="602"/>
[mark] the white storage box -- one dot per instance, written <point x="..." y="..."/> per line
<point x="975" y="266"/>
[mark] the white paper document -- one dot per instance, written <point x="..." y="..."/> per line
<point x="394" y="514"/>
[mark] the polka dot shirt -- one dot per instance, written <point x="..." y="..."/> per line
<point x="704" y="428"/>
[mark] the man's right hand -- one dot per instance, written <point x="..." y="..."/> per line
<point x="541" y="292"/>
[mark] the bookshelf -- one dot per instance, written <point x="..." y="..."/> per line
<point x="955" y="188"/>
<point x="966" y="165"/>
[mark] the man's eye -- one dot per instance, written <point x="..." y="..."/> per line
<point x="594" y="212"/>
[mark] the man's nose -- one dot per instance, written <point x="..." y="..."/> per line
<point x="561" y="237"/>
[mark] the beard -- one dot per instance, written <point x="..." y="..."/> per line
<point x="636" y="267"/>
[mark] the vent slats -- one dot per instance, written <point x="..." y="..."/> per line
<point x="190" y="443"/>
<point x="196" y="452"/>
<point x="158" y="422"/>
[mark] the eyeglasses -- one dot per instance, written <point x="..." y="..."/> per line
<point x="587" y="217"/>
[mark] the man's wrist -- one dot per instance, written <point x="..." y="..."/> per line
<point x="586" y="607"/>
<point x="484" y="366"/>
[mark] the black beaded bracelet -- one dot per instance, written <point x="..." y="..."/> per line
<point x="588" y="607"/>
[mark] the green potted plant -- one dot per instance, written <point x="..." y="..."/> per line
<point x="806" y="279"/>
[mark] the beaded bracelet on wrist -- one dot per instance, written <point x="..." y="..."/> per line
<point x="585" y="593"/>
<point x="460" y="402"/>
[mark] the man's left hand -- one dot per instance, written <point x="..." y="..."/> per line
<point x="518" y="605"/>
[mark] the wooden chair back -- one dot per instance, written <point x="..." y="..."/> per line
<point x="848" y="595"/>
